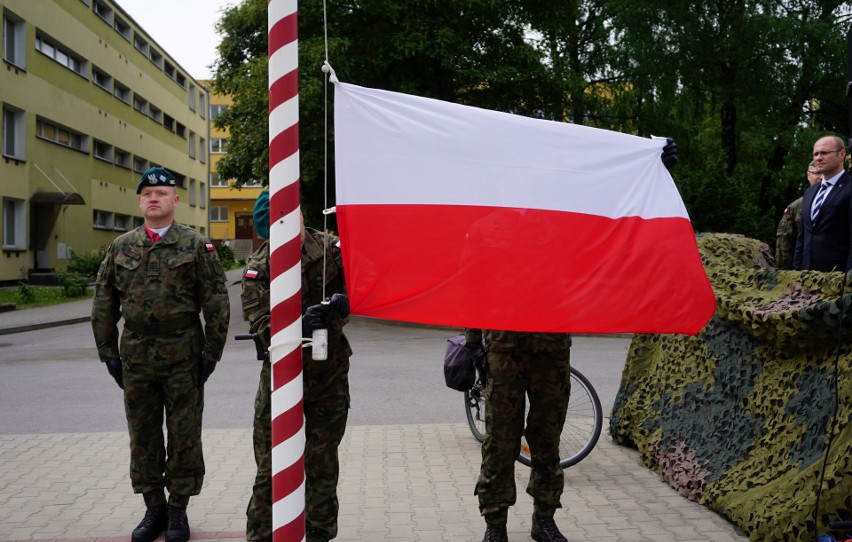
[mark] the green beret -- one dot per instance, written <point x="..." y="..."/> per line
<point x="156" y="176"/>
<point x="261" y="215"/>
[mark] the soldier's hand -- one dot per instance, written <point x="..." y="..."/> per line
<point x="205" y="369"/>
<point x="477" y="352"/>
<point x="339" y="304"/>
<point x="314" y="318"/>
<point x="669" y="156"/>
<point x="114" y="367"/>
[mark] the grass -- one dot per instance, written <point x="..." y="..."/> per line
<point x="40" y="297"/>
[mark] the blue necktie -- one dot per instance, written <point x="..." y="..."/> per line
<point x="820" y="197"/>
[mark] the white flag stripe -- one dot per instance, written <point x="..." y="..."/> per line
<point x="398" y="149"/>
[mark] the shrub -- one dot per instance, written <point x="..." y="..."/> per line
<point x="26" y="293"/>
<point x="226" y="256"/>
<point x="73" y="284"/>
<point x="86" y="265"/>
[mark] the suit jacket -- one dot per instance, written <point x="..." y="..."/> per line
<point x="824" y="246"/>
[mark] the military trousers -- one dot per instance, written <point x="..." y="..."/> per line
<point x="326" y="406"/>
<point x="543" y="377"/>
<point x="153" y="389"/>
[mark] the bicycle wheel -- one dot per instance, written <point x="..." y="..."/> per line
<point x="583" y="424"/>
<point x="474" y="401"/>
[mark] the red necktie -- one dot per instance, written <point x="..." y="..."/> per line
<point x="155" y="237"/>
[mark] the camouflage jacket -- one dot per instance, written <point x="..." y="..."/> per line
<point x="785" y="235"/>
<point x="255" y="295"/>
<point x="147" y="283"/>
<point x="506" y="341"/>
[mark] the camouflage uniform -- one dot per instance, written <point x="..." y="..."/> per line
<point x="785" y="235"/>
<point x="159" y="289"/>
<point x="326" y="392"/>
<point x="536" y="364"/>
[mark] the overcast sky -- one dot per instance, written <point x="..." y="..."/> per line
<point x="183" y="28"/>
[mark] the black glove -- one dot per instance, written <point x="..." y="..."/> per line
<point x="314" y="318"/>
<point x="669" y="156"/>
<point x="477" y="352"/>
<point x="205" y="369"/>
<point x="339" y="304"/>
<point x="114" y="367"/>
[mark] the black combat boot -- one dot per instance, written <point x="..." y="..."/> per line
<point x="178" y="527"/>
<point x="495" y="532"/>
<point x="544" y="529"/>
<point x="151" y="525"/>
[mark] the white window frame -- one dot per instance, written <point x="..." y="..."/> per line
<point x="122" y="158"/>
<point x="14" y="40"/>
<point x="202" y="150"/>
<point x="192" y="98"/>
<point x="102" y="220"/>
<point x="122" y="27"/>
<point x="14" y="224"/>
<point x="192" y="144"/>
<point x="216" y="211"/>
<point x="140" y="43"/>
<point x="140" y="165"/>
<point x="103" y="11"/>
<point x="14" y="132"/>
<point x="217" y="109"/>
<point x="192" y="197"/>
<point x="60" y="54"/>
<point x="218" y="182"/>
<point x="202" y="195"/>
<point x="101" y="79"/>
<point x="121" y="222"/>
<point x="72" y="139"/>
<point x="218" y="145"/>
<point x="102" y="151"/>
<point x="121" y="91"/>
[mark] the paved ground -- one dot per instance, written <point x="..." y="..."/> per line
<point x="398" y="483"/>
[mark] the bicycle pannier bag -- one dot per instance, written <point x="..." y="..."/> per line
<point x="459" y="373"/>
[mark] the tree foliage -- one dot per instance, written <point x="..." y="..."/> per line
<point x="744" y="86"/>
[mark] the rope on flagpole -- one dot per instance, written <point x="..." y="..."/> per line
<point x="285" y="352"/>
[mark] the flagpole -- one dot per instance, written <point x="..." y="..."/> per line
<point x="285" y="352"/>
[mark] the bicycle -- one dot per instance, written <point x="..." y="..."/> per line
<point x="583" y="420"/>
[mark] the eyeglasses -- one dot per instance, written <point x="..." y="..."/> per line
<point x="818" y="154"/>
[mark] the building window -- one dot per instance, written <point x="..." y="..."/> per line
<point x="14" y="224"/>
<point x="140" y="104"/>
<point x="155" y="113"/>
<point x="140" y="43"/>
<point x="122" y="92"/>
<point x="180" y="180"/>
<point x="101" y="79"/>
<point x="140" y="165"/>
<point x="13" y="132"/>
<point x="192" y="97"/>
<point x="138" y="221"/>
<point x="202" y="195"/>
<point x="122" y="222"/>
<point x="217" y="109"/>
<point x="14" y="40"/>
<point x="122" y="158"/>
<point x="169" y="69"/>
<point x="202" y="106"/>
<point x="218" y="214"/>
<point x="122" y="27"/>
<point x="217" y="182"/>
<point x="181" y="79"/>
<point x="192" y="192"/>
<point x="61" y="135"/>
<point x="191" y="144"/>
<point x="101" y="220"/>
<point x="103" y="11"/>
<point x="60" y="54"/>
<point x="202" y="149"/>
<point x="218" y="145"/>
<point x="102" y="151"/>
<point x="180" y="130"/>
<point x="168" y="123"/>
<point x="156" y="57"/>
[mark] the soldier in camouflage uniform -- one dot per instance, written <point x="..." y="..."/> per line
<point x="326" y="383"/>
<point x="158" y="277"/>
<point x="788" y="227"/>
<point x="537" y="365"/>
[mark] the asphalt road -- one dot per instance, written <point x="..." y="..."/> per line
<point x="51" y="381"/>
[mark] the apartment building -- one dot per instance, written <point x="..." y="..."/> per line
<point x="231" y="208"/>
<point x="89" y="102"/>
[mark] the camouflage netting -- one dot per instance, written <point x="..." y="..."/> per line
<point x="739" y="417"/>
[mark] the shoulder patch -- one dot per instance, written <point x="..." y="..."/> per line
<point x="209" y="247"/>
<point x="251" y="273"/>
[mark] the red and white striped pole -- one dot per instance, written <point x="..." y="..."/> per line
<point x="285" y="352"/>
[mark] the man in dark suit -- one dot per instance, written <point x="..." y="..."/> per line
<point x="823" y="242"/>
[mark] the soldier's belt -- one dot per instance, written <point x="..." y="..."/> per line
<point x="169" y="326"/>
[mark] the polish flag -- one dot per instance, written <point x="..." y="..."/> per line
<point x="465" y="217"/>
